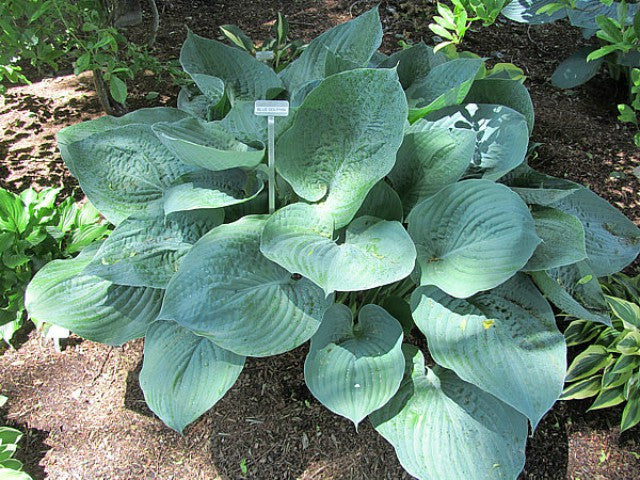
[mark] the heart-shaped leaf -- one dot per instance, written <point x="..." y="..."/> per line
<point x="124" y="170"/>
<point x="446" y="429"/>
<point x="244" y="77"/>
<point x="383" y="202"/>
<point x="344" y="139"/>
<point x="504" y="341"/>
<point x="413" y="64"/>
<point x="536" y="188"/>
<point x="96" y="309"/>
<point x="471" y="236"/>
<point x="229" y="292"/>
<point x="354" y="369"/>
<point x="183" y="375"/>
<point x="375" y="252"/>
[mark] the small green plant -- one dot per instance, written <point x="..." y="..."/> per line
<point x="609" y="368"/>
<point x="10" y="468"/>
<point x="628" y="113"/>
<point x="85" y="32"/>
<point x="279" y="49"/>
<point x="452" y="24"/>
<point x="34" y="231"/>
<point x="400" y="212"/>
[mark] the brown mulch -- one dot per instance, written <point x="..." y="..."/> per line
<point x="82" y="409"/>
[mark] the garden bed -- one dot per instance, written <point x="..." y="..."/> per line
<point x="82" y="409"/>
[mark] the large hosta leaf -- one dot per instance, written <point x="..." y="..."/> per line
<point x="344" y="139"/>
<point x="206" y="189"/>
<point x="612" y="240"/>
<point x="144" y="116"/>
<point x="146" y="249"/>
<point x="445" y="85"/>
<point x="354" y="369"/>
<point x="509" y="93"/>
<point x="124" y="170"/>
<point x="96" y="309"/>
<point x="502" y="136"/>
<point x="575" y="290"/>
<point x="536" y="188"/>
<point x="429" y="159"/>
<point x="562" y="239"/>
<point x="229" y="292"/>
<point x="207" y="145"/>
<point x="244" y="77"/>
<point x="183" y="375"/>
<point x="443" y="428"/>
<point x="504" y="341"/>
<point x="471" y="236"/>
<point x="576" y="69"/>
<point x="374" y="252"/>
<point x="356" y="40"/>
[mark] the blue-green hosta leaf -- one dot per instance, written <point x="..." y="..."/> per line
<point x="145" y="250"/>
<point x="499" y="91"/>
<point x="526" y="11"/>
<point x="382" y="202"/>
<point x="207" y="145"/>
<point x="244" y="77"/>
<point x="562" y="239"/>
<point x="124" y="170"/>
<point x="249" y="128"/>
<point x="96" y="309"/>
<point x="575" y="290"/>
<point x="504" y="341"/>
<point x="375" y="252"/>
<point x="502" y="136"/>
<point x="413" y="64"/>
<point x="356" y="40"/>
<point x="144" y="116"/>
<point x="445" y="85"/>
<point x="229" y="292"/>
<point x="612" y="240"/>
<point x="443" y="428"/>
<point x="184" y="375"/>
<point x="471" y="236"/>
<point x="536" y="188"/>
<point x="195" y="105"/>
<point x="429" y="159"/>
<point x="354" y="369"/>
<point x="586" y="12"/>
<point x="576" y="70"/>
<point x="344" y="139"/>
<point x="211" y="87"/>
<point x="207" y="189"/>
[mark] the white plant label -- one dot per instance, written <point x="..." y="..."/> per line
<point x="265" y="55"/>
<point x="271" y="109"/>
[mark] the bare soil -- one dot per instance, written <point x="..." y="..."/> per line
<point x="82" y="410"/>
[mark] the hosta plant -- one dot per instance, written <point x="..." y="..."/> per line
<point x="402" y="201"/>
<point x="609" y="366"/>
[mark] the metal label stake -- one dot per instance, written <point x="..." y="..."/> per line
<point x="271" y="109"/>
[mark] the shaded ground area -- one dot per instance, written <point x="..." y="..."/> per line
<point x="83" y="412"/>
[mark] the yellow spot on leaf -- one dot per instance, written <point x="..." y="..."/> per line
<point x="487" y="324"/>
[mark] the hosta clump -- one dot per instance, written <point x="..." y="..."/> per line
<point x="402" y="201"/>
